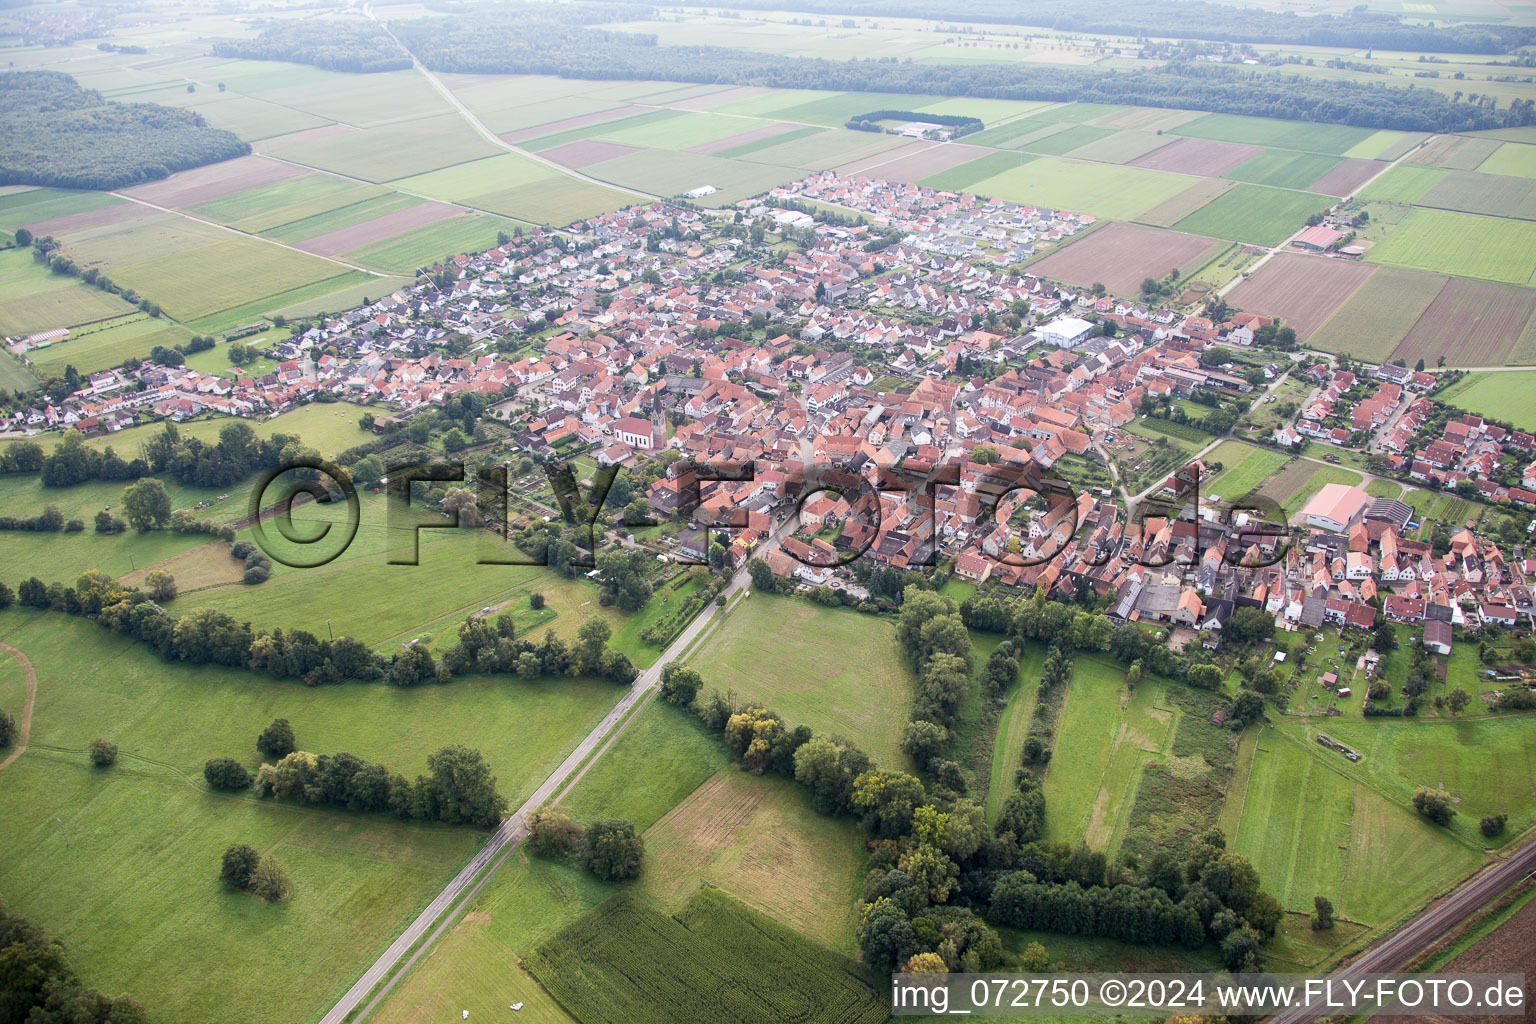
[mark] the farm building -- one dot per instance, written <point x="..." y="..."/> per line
<point x="1065" y="332"/>
<point x="1336" y="507"/>
<point x="1437" y="636"/>
<point x="1317" y="239"/>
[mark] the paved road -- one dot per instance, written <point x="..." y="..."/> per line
<point x="515" y="828"/>
<point x="1417" y="935"/>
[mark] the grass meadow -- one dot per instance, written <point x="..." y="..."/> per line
<point x="1244" y="468"/>
<point x="1461" y="243"/>
<point x="833" y="670"/>
<point x="1255" y="213"/>
<point x="1504" y="396"/>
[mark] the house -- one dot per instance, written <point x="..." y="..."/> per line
<point x="1336" y="507"/>
<point x="1437" y="636"/>
<point x="637" y="433"/>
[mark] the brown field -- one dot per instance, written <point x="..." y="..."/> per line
<point x="710" y="100"/>
<point x="333" y="243"/>
<point x="1508" y="949"/>
<point x="1292" y="477"/>
<point x="1198" y="156"/>
<point x="1177" y="207"/>
<point x="1380" y="314"/>
<point x="102" y="216"/>
<point x="586" y="152"/>
<point x="1122" y="255"/>
<point x="915" y="161"/>
<point x="765" y="132"/>
<point x="1471" y="323"/>
<point x="758" y="839"/>
<point x="1348" y="176"/>
<point x="1301" y="290"/>
<point x="207" y="565"/>
<point x="1454" y="151"/>
<point x="201" y="184"/>
<point x="325" y="131"/>
<point x="538" y="131"/>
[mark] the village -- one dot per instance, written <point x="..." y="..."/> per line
<point x="901" y="395"/>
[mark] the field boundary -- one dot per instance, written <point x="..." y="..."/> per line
<point x="23" y="727"/>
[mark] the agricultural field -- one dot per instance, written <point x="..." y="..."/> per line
<point x="1098" y="747"/>
<point x="1453" y="152"/>
<point x="715" y="949"/>
<point x="1315" y="827"/>
<point x="1511" y="158"/>
<point x="1244" y="468"/>
<point x="1262" y="131"/>
<point x="1121" y="255"/>
<point x="405" y="252"/>
<point x="145" y="836"/>
<point x="1013" y="727"/>
<point x="1461" y="243"/>
<point x="1284" y="169"/>
<point x="865" y="699"/>
<point x="1470" y="323"/>
<point x="32" y="299"/>
<point x="1375" y="320"/>
<point x="1255" y="213"/>
<point x="1304" y="291"/>
<point x="1403" y="184"/>
<point x="1105" y="190"/>
<point x="1199" y="156"/>
<point x="1171" y="211"/>
<point x="1300" y="479"/>
<point x="1492" y="195"/>
<point x="1505" y="396"/>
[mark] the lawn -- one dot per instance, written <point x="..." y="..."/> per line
<point x="1505" y="396"/>
<point x="1312" y="827"/>
<point x="135" y="894"/>
<point x="1461" y="243"/>
<point x="1255" y="213"/>
<point x="1097" y="749"/>
<point x="834" y="670"/>
<point x="1244" y="468"/>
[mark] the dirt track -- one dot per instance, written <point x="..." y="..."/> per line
<point x="24" y="730"/>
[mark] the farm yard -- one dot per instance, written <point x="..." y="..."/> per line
<point x="1122" y="255"/>
<point x="864" y="699"/>
<point x="1302" y="290"/>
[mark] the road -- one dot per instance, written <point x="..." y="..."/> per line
<point x="490" y="136"/>
<point x="515" y="828"/>
<point x="1417" y="935"/>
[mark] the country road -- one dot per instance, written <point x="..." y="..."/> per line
<point x="515" y="828"/>
<point x="1413" y="938"/>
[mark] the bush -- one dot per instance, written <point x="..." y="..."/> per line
<point x="103" y="753"/>
<point x="277" y="739"/>
<point x="1493" y="824"/>
<point x="240" y="862"/>
<point x="256" y="574"/>
<point x="554" y="833"/>
<point x="613" y="849"/>
<point x="7" y="729"/>
<point x="270" y="881"/>
<point x="536" y="600"/>
<point x="1434" y="804"/>
<point x="226" y="773"/>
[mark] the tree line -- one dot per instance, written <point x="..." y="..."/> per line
<point x="337" y="44"/>
<point x="531" y="42"/>
<point x="1183" y="19"/>
<point x="207" y="636"/>
<point x="41" y="987"/>
<point x="54" y="133"/>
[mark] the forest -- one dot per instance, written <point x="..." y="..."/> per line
<point x="1183" y="19"/>
<point x="54" y="133"/>
<point x="527" y="42"/>
<point x="336" y="44"/>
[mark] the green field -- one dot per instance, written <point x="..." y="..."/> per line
<point x="1097" y="750"/>
<point x="1255" y="213"/>
<point x="1283" y="169"/>
<point x="140" y="870"/>
<point x="110" y="343"/>
<point x="1311" y="829"/>
<point x="1106" y="190"/>
<point x="1503" y="396"/>
<point x="1379" y="315"/>
<point x="36" y="204"/>
<point x="426" y="245"/>
<point x="33" y="299"/>
<point x="1462" y="244"/>
<point x="265" y="207"/>
<point x="1404" y="183"/>
<point x="1262" y="131"/>
<point x="393" y="151"/>
<point x="699" y="967"/>
<point x="1511" y="158"/>
<point x="222" y="275"/>
<point x="1244" y="467"/>
<point x="961" y="178"/>
<point x="794" y="657"/>
<point x="1013" y="729"/>
<point x="663" y="754"/>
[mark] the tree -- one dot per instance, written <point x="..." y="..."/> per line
<point x="1206" y="677"/>
<point x="1033" y="959"/>
<point x="925" y="963"/>
<point x="7" y="729"/>
<point x="103" y="753"/>
<point x="921" y="740"/>
<point x="240" y="862"/>
<point x="1322" y="913"/>
<point x="1492" y="824"/>
<point x="1434" y="804"/>
<point x="613" y="849"/>
<point x="277" y="739"/>
<point x="1384" y="638"/>
<point x="535" y="600"/>
<point x="1249" y="625"/>
<point x="226" y="773"/>
<point x="162" y="585"/>
<point x="23" y="237"/>
<point x="464" y="788"/>
<point x="1240" y="949"/>
<point x="270" y="881"/>
<point x="592" y="637"/>
<point x="147" y="505"/>
<point x="1457" y="700"/>
<point x="554" y="833"/>
<point x="680" y="684"/>
<point x="762" y="576"/>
